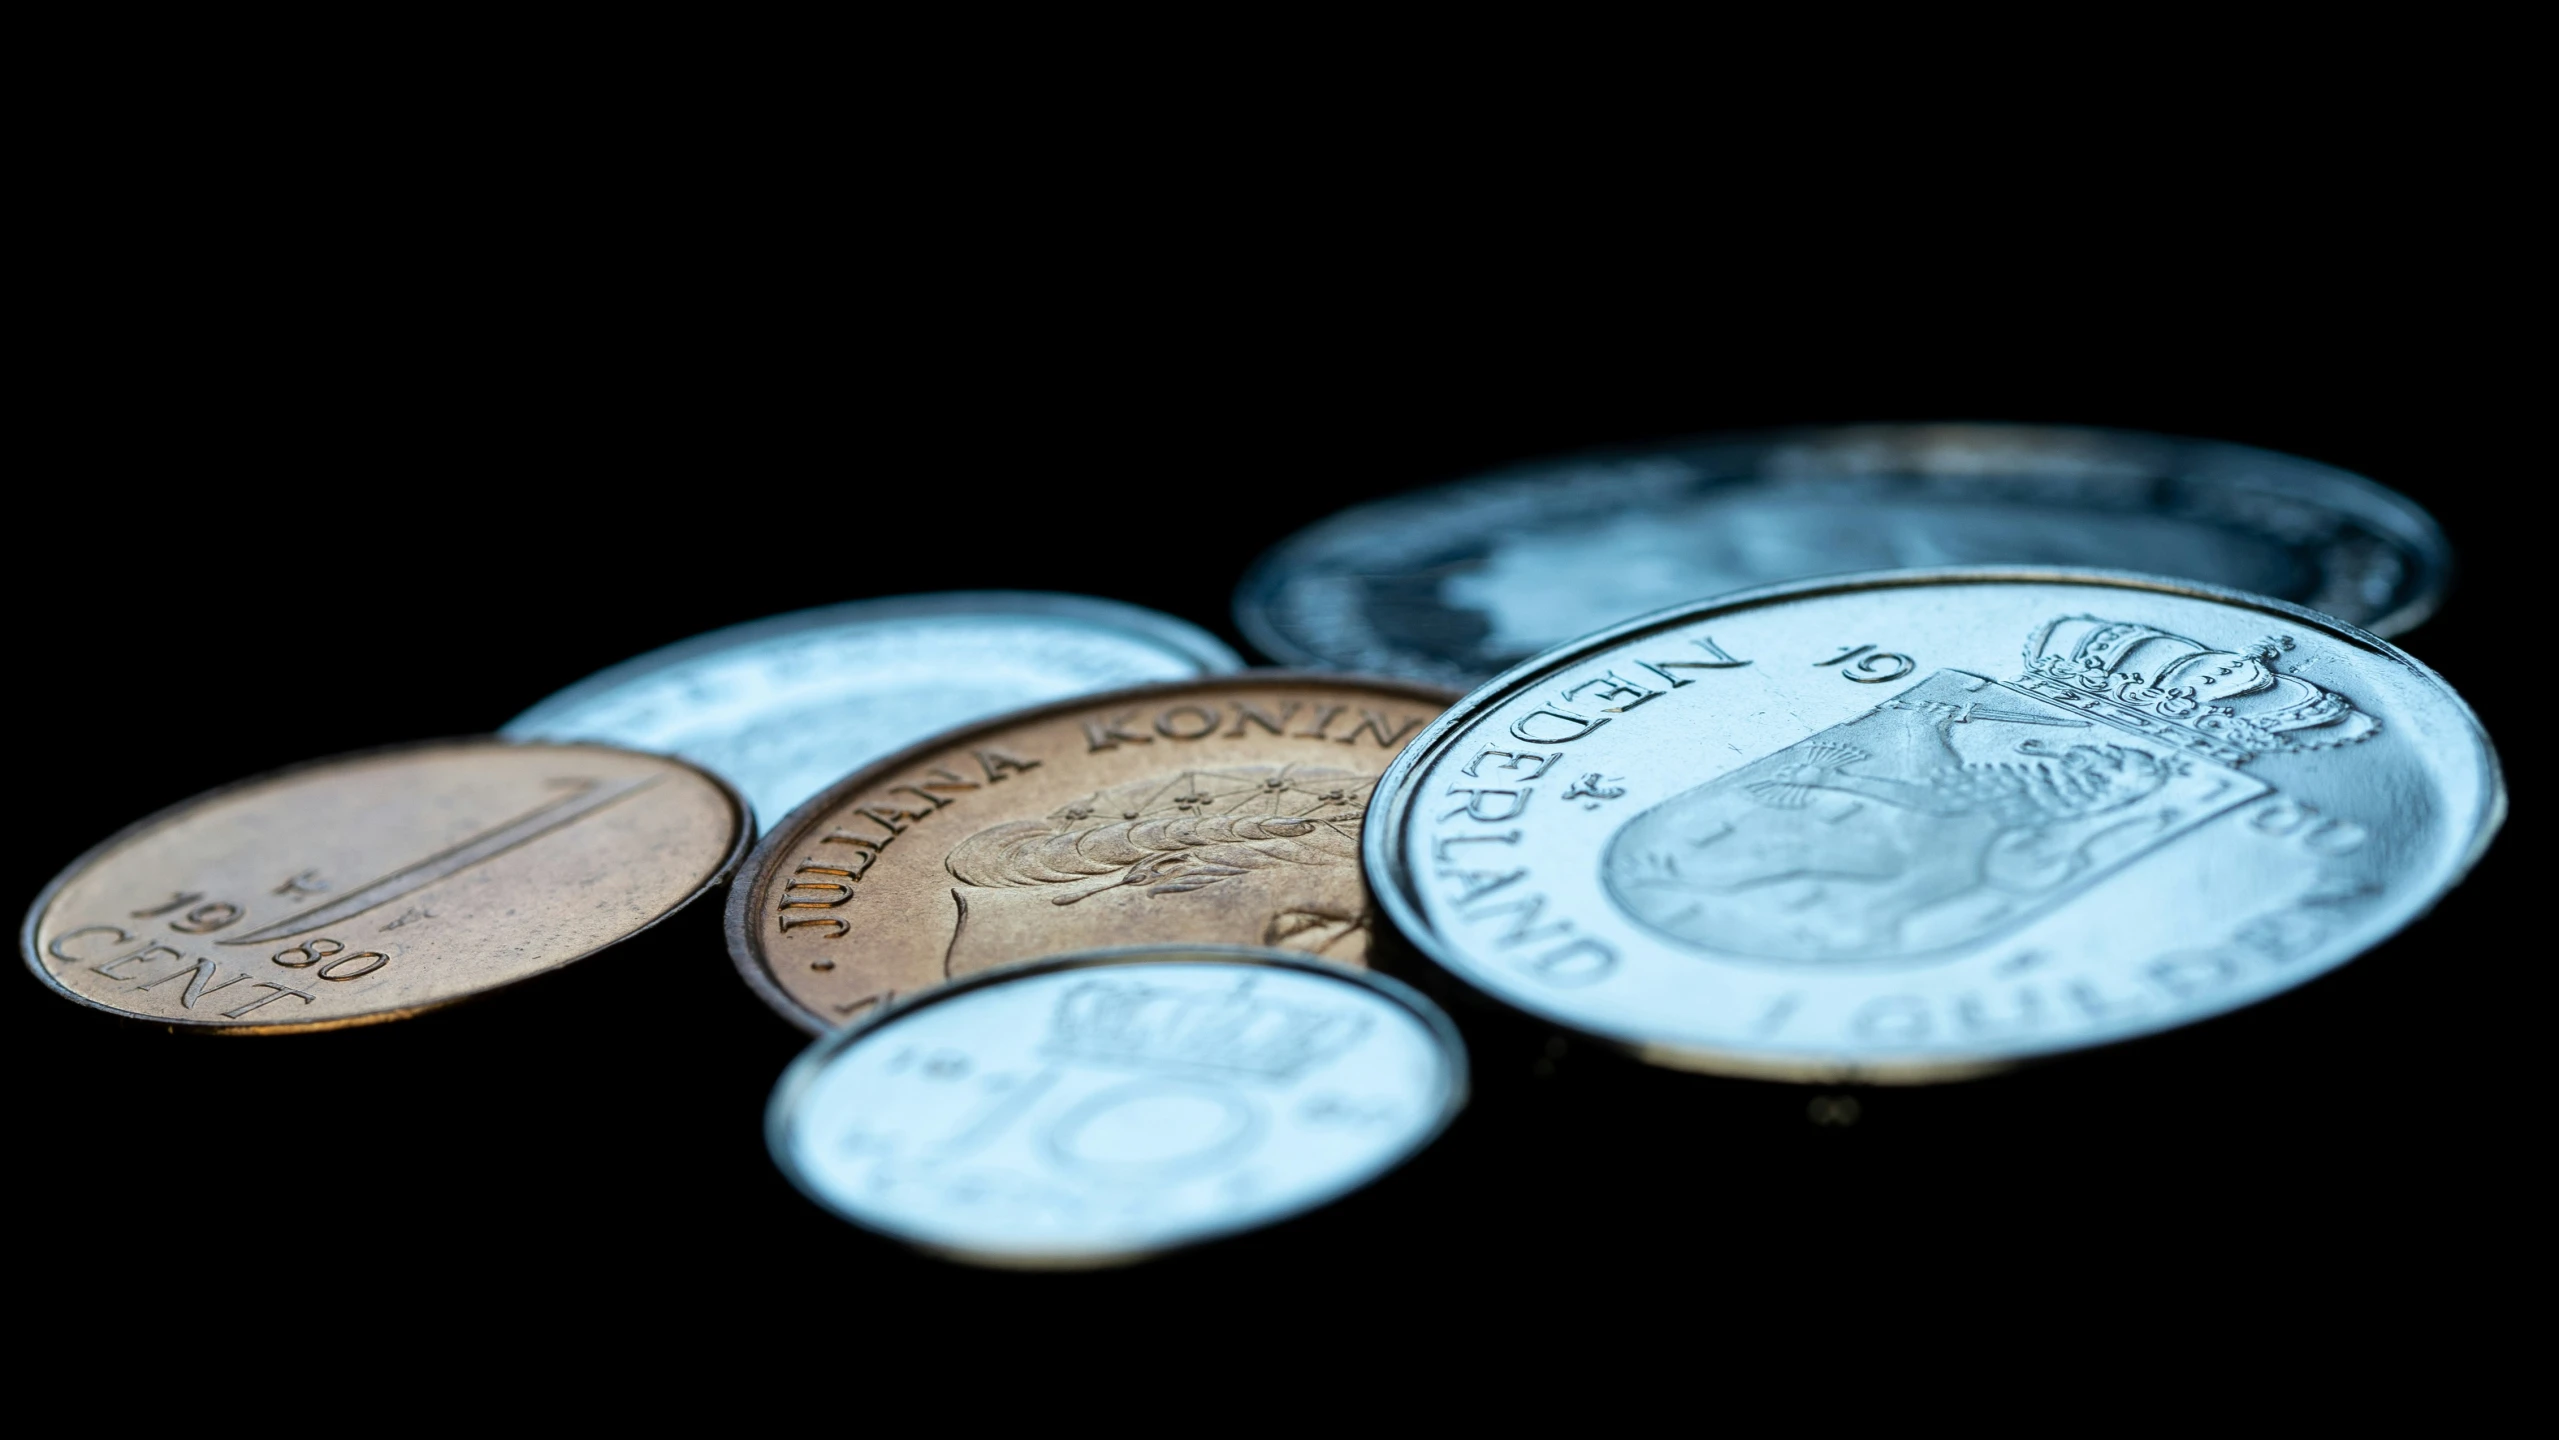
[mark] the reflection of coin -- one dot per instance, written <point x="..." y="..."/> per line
<point x="371" y="887"/>
<point x="1846" y="829"/>
<point x="1098" y="1108"/>
<point x="1454" y="583"/>
<point x="1220" y="811"/>
<point x="780" y="707"/>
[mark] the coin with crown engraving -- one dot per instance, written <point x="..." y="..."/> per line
<point x="1217" y="811"/>
<point x="782" y="706"/>
<point x="1456" y="582"/>
<point x="1920" y="825"/>
<point x="374" y="886"/>
<point x="1099" y="1108"/>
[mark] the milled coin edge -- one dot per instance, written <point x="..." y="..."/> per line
<point x="804" y="1071"/>
<point x="1382" y="847"/>
<point x="738" y="919"/>
<point x="741" y="836"/>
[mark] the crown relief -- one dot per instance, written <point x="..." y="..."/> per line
<point x="1121" y="1022"/>
<point x="2230" y="704"/>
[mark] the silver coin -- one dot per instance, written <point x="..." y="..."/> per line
<point x="1093" y="1109"/>
<point x="1923" y="824"/>
<point x="782" y="707"/>
<point x="1454" y="583"/>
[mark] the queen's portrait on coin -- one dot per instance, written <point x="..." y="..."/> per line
<point x="1250" y="855"/>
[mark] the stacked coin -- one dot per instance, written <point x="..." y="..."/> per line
<point x="1083" y="920"/>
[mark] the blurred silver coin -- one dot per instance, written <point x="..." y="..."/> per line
<point x="1923" y="824"/>
<point x="1456" y="582"/>
<point x="1098" y="1108"/>
<point x="782" y="707"/>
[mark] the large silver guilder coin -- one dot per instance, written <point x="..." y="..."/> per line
<point x="781" y="707"/>
<point x="1096" y="1108"/>
<point x="1922" y="824"/>
<point x="1456" y="582"/>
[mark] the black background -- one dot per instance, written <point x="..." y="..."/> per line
<point x="310" y="511"/>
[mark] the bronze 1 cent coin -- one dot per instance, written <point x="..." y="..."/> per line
<point x="374" y="886"/>
<point x="1219" y="811"/>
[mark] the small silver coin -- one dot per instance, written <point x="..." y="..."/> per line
<point x="1454" y="583"/>
<point x="782" y="707"/>
<point x="1098" y="1108"/>
<point x="1919" y="825"/>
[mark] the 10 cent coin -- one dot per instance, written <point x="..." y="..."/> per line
<point x="1094" y="1109"/>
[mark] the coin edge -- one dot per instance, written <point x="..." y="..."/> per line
<point x="2421" y="533"/>
<point x="737" y="925"/>
<point x="1381" y="847"/>
<point x="804" y="1069"/>
<point x="1176" y="634"/>
<point x="740" y="839"/>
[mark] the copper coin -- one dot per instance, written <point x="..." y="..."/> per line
<point x="1222" y="811"/>
<point x="371" y="887"/>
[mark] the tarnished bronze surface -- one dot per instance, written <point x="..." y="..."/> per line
<point x="370" y="887"/>
<point x="1221" y="811"/>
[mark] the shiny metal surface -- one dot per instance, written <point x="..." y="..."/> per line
<point x="1099" y="1108"/>
<point x="782" y="706"/>
<point x="372" y="887"/>
<point x="1456" y="582"/>
<point x="1224" y="810"/>
<point x="1919" y="825"/>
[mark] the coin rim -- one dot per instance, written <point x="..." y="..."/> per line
<point x="1172" y="632"/>
<point x="1382" y="848"/>
<point x="2401" y="518"/>
<point x="743" y="833"/>
<point x="738" y="922"/>
<point x="804" y="1070"/>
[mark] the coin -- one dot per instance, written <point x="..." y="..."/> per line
<point x="1222" y="811"/>
<point x="779" y="707"/>
<point x="1457" y="582"/>
<point x="1098" y="1108"/>
<point x="372" y="887"/>
<point x="1922" y="824"/>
